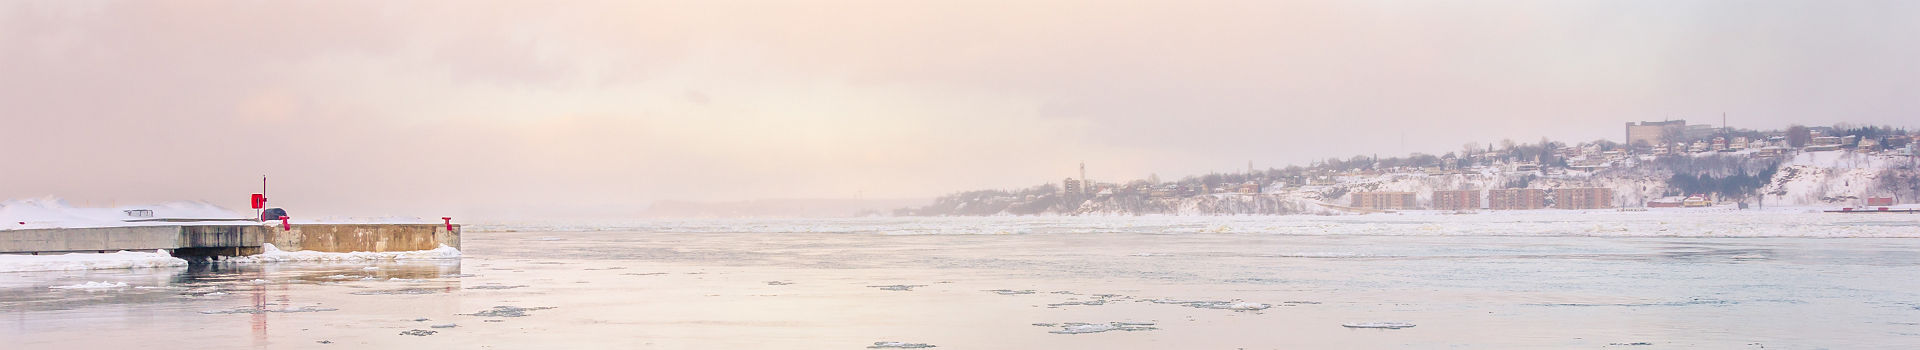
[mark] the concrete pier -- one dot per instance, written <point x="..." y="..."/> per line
<point x="231" y="239"/>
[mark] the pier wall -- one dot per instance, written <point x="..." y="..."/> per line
<point x="90" y="239"/>
<point x="343" y="238"/>
<point x="229" y="240"/>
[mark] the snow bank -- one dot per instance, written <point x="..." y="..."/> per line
<point x="274" y="254"/>
<point x="88" y="261"/>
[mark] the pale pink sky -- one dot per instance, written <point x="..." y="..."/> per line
<point x="523" y="109"/>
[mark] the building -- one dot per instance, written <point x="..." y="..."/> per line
<point x="1653" y="133"/>
<point x="1699" y="131"/>
<point x="1456" y="200"/>
<point x="1517" y="199"/>
<point x="1071" y="188"/>
<point x="1823" y="143"/>
<point x="1383" y="200"/>
<point x="1879" y="201"/>
<point x="1583" y="198"/>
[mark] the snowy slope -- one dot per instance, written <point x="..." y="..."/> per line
<point x="1830" y="178"/>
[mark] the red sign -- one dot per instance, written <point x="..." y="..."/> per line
<point x="259" y="201"/>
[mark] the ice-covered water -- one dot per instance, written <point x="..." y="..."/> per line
<point x="1070" y="283"/>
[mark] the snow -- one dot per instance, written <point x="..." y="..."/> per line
<point x="53" y="212"/>
<point x="88" y="261"/>
<point x="271" y="253"/>
<point x="1831" y="178"/>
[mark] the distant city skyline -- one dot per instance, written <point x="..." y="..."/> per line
<point x="527" y="110"/>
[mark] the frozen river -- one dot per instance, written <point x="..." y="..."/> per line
<point x="1626" y="282"/>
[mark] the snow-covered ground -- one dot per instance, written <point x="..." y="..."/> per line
<point x="1829" y="178"/>
<point x="57" y="213"/>
<point x="39" y="213"/>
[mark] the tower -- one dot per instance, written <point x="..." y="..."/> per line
<point x="1083" y="173"/>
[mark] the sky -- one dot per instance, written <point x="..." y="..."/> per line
<point x="519" y="109"/>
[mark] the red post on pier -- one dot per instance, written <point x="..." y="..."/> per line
<point x="449" y="220"/>
<point x="283" y="224"/>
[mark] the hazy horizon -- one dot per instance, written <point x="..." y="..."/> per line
<point x="521" y="110"/>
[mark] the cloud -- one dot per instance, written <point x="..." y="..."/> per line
<point x="520" y="109"/>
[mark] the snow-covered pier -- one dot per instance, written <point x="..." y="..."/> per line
<point x="231" y="239"/>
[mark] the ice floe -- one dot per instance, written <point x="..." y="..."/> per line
<point x="1235" y="305"/>
<point x="507" y="311"/>
<point x="1083" y="328"/>
<point x="404" y="291"/>
<point x="418" y="332"/>
<point x="497" y="287"/>
<point x="1378" y="325"/>
<point x="90" y="285"/>
<point x="899" y="287"/>
<point x="898" y="345"/>
<point x="89" y="261"/>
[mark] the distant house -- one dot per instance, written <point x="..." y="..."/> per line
<point x="1516" y="199"/>
<point x="1383" y="200"/>
<point x="1824" y="143"/>
<point x="1879" y="201"/>
<point x="1583" y="198"/>
<point x="1456" y="200"/>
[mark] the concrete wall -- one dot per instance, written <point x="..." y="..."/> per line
<point x="342" y="238"/>
<point x="233" y="239"/>
<point x="90" y="239"/>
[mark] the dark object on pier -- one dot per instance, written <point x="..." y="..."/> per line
<point x="272" y="214"/>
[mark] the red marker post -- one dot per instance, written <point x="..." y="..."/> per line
<point x="449" y="220"/>
<point x="283" y="224"/>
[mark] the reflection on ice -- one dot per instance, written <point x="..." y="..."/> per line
<point x="262" y="310"/>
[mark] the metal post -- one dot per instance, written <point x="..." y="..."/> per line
<point x="262" y="211"/>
